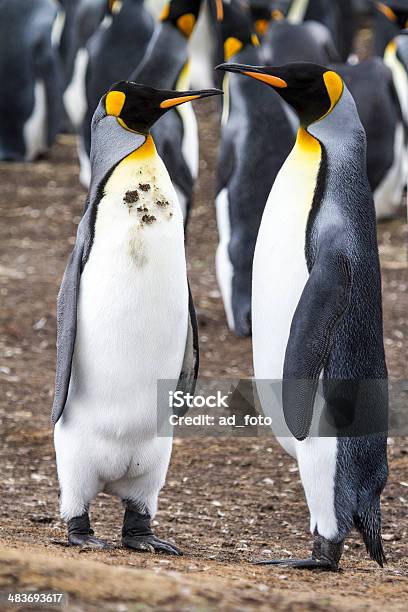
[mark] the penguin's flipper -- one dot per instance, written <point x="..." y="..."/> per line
<point x="66" y="328"/>
<point x="189" y="370"/>
<point x="323" y="302"/>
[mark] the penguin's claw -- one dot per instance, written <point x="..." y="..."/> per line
<point x="87" y="541"/>
<point x="150" y="544"/>
<point x="310" y="564"/>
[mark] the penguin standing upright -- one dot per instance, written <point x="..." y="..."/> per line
<point x="396" y="58"/>
<point x="125" y="320"/>
<point x="113" y="50"/>
<point x="390" y="16"/>
<point x="245" y="176"/>
<point x="31" y="96"/>
<point x="316" y="311"/>
<point x="166" y="66"/>
<point x="371" y="85"/>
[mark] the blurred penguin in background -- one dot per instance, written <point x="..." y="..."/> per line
<point x="64" y="31"/>
<point x="287" y="42"/>
<point x="390" y="17"/>
<point x="114" y="49"/>
<point x="31" y="97"/>
<point x="337" y="15"/>
<point x="261" y="14"/>
<point x="88" y="15"/>
<point x="396" y="58"/>
<point x="371" y="85"/>
<point x="166" y="65"/>
<point x="249" y="161"/>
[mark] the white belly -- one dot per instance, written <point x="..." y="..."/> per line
<point x="133" y="306"/>
<point x="75" y="94"/>
<point x="35" y="129"/>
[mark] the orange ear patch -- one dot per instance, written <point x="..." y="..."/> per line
<point x="186" y="24"/>
<point x="165" y="12"/>
<point x="231" y="46"/>
<point x="261" y="26"/>
<point x="114" y="103"/>
<point x="335" y="86"/>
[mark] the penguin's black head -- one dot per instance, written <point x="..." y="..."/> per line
<point x="137" y="107"/>
<point x="236" y="30"/>
<point x="261" y="15"/>
<point x="183" y="14"/>
<point x="312" y="90"/>
<point x="396" y="11"/>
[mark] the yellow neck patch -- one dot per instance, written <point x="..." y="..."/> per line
<point x="390" y="49"/>
<point x="146" y="151"/>
<point x="114" y="103"/>
<point x="231" y="46"/>
<point x="186" y="24"/>
<point x="307" y="142"/>
<point x="165" y="12"/>
<point x="335" y="87"/>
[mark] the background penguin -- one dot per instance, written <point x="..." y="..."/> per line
<point x="261" y="15"/>
<point x="166" y="66"/>
<point x="89" y="14"/>
<point x="287" y="42"/>
<point x="372" y="88"/>
<point x="113" y="50"/>
<point x="316" y="310"/>
<point x="337" y="15"/>
<point x="125" y="320"/>
<point x="396" y="58"/>
<point x="249" y="160"/>
<point x="30" y="101"/>
<point x="390" y="16"/>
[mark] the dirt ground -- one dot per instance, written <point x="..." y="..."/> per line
<point x="227" y="501"/>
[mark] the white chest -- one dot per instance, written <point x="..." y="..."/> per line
<point x="280" y="272"/>
<point x="133" y="300"/>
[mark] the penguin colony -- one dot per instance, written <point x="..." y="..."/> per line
<point x="313" y="151"/>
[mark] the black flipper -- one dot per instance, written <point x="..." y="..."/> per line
<point x="67" y="307"/>
<point x="324" y="300"/>
<point x="189" y="370"/>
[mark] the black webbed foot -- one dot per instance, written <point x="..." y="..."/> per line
<point x="138" y="535"/>
<point x="81" y="534"/>
<point x="325" y="556"/>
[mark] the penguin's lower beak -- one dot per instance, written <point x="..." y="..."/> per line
<point x="256" y="72"/>
<point x="180" y="97"/>
<point x="219" y="10"/>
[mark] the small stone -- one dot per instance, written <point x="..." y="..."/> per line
<point x="162" y="203"/>
<point x="144" y="186"/>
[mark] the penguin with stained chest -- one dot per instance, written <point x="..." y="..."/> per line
<point x="249" y="161"/>
<point x="31" y="97"/>
<point x="317" y="312"/>
<point x="166" y="65"/>
<point x="125" y="320"/>
<point x="390" y="16"/>
<point x="116" y="46"/>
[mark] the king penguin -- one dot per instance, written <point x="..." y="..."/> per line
<point x="166" y="66"/>
<point x="31" y="97"/>
<point x="390" y="17"/>
<point x="316" y="311"/>
<point x="396" y="58"/>
<point x="371" y="85"/>
<point x="244" y="176"/>
<point x="125" y="320"/>
<point x="115" y="47"/>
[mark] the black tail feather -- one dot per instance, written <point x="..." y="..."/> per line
<point x="368" y="523"/>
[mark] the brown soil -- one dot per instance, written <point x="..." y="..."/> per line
<point x="226" y="500"/>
